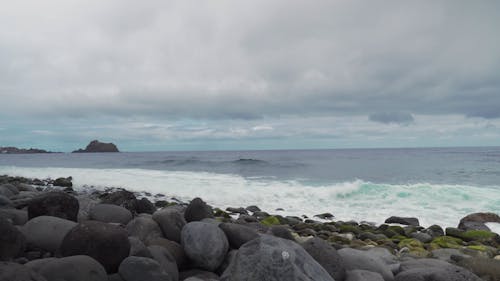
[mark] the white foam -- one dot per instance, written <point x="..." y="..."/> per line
<point x="495" y="227"/>
<point x="361" y="201"/>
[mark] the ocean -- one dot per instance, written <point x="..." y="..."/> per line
<point x="436" y="185"/>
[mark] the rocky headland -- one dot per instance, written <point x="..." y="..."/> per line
<point x="15" y="150"/>
<point x="97" y="146"/>
<point x="52" y="232"/>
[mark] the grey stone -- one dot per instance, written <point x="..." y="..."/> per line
<point x="326" y="256"/>
<point x="357" y="259"/>
<point x="86" y="203"/>
<point x="47" y="232"/>
<point x="269" y="258"/>
<point x="141" y="269"/>
<point x="110" y="213"/>
<point x="5" y="202"/>
<point x="445" y="254"/>
<point x="38" y="264"/>
<point x="363" y="275"/>
<point x="238" y="234"/>
<point x="106" y="243"/>
<point x="479" y="219"/>
<point x="16" y="272"/>
<point x="487" y="269"/>
<point x="252" y="208"/>
<point x="281" y="231"/>
<point x="144" y="228"/>
<point x="198" y="274"/>
<point x="25" y="187"/>
<point x="74" y="268"/>
<point x="6" y="191"/>
<point x="137" y="248"/>
<point x="57" y="204"/>
<point x="12" y="241"/>
<point x="171" y="222"/>
<point x="403" y="220"/>
<point x="421" y="236"/>
<point x="174" y="248"/>
<point x="166" y="260"/>
<point x="198" y="210"/>
<point x="115" y="277"/>
<point x="17" y="217"/>
<point x="205" y="244"/>
<point x="433" y="270"/>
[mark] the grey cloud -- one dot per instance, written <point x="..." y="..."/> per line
<point x="402" y="118"/>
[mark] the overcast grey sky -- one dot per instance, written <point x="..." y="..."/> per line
<point x="182" y="75"/>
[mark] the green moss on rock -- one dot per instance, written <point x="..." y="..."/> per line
<point x="446" y="242"/>
<point x="477" y="235"/>
<point x="271" y="220"/>
<point x="349" y="228"/>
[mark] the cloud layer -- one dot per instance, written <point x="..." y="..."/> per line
<point x="257" y="62"/>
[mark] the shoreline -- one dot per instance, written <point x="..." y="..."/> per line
<point x="401" y="239"/>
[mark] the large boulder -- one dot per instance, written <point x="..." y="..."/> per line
<point x="174" y="248"/>
<point x="47" y="232"/>
<point x="326" y="256"/>
<point x="205" y="244"/>
<point x="16" y="272"/>
<point x="357" y="259"/>
<point x="487" y="269"/>
<point x="171" y="223"/>
<point x="433" y="270"/>
<point x="12" y="241"/>
<point x="17" y="217"/>
<point x="238" y="234"/>
<point x="97" y="146"/>
<point x="140" y="269"/>
<point x="63" y="182"/>
<point x="8" y="190"/>
<point x="74" y="268"/>
<point x="476" y="221"/>
<point x="403" y="220"/>
<point x="110" y="213"/>
<point x="56" y="204"/>
<point x="273" y="258"/>
<point x="144" y="228"/>
<point x="165" y="259"/>
<point x="5" y="202"/>
<point x="106" y="243"/>
<point x="138" y="248"/>
<point x="198" y="210"/>
<point x="362" y="275"/>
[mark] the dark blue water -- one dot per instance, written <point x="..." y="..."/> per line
<point x="465" y="166"/>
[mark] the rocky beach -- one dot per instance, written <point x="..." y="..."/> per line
<point x="51" y="231"/>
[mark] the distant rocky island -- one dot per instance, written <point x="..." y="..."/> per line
<point x="15" y="150"/>
<point x="97" y="146"/>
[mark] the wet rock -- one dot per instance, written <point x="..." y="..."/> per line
<point x="171" y="223"/>
<point x="140" y="269"/>
<point x="198" y="210"/>
<point x="74" y="268"/>
<point x="56" y="204"/>
<point x="16" y="272"/>
<point x="144" y="206"/>
<point x="205" y="244"/>
<point x="106" y="243"/>
<point x="273" y="258"/>
<point x="325" y="216"/>
<point x="110" y="213"/>
<point x="12" y="241"/>
<point x="476" y="221"/>
<point x="144" y="228"/>
<point x="63" y="182"/>
<point x="326" y="256"/>
<point x="403" y="220"/>
<point x="357" y="259"/>
<point x="252" y="208"/>
<point x="239" y="210"/>
<point x="238" y="234"/>
<point x="47" y="232"/>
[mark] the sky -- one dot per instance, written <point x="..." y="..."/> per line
<point x="216" y="75"/>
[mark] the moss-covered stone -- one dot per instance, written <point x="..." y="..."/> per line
<point x="410" y="243"/>
<point x="220" y="213"/>
<point x="481" y="248"/>
<point x="477" y="235"/>
<point x="349" y="228"/>
<point x="446" y="242"/>
<point x="396" y="228"/>
<point x="270" y="220"/>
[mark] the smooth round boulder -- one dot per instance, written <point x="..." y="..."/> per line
<point x="16" y="272"/>
<point x="12" y="241"/>
<point x="137" y="248"/>
<point x="476" y="221"/>
<point x="272" y="258"/>
<point x="165" y="259"/>
<point x="74" y="268"/>
<point x="403" y="220"/>
<point x="198" y="210"/>
<point x="362" y="275"/>
<point x="144" y="228"/>
<point x="238" y="234"/>
<point x="5" y="202"/>
<point x="110" y="213"/>
<point x="433" y="270"/>
<point x="171" y="223"/>
<point x="17" y="217"/>
<point x="106" y="243"/>
<point x="8" y="190"/>
<point x="56" y="204"/>
<point x="357" y="259"/>
<point x="47" y="232"/>
<point x="174" y="248"/>
<point x="205" y="244"/>
<point x="140" y="269"/>
<point x="326" y="256"/>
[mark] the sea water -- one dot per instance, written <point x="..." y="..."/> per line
<point x="436" y="185"/>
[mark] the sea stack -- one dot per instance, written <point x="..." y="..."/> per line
<point x="97" y="146"/>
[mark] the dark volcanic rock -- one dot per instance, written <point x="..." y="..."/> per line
<point x="363" y="275"/>
<point x="97" y="146"/>
<point x="488" y="269"/>
<point x="198" y="210"/>
<point x="64" y="182"/>
<point x="17" y="217"/>
<point x="17" y="272"/>
<point x="433" y="270"/>
<point x="138" y="248"/>
<point x="272" y="258"/>
<point x="281" y="231"/>
<point x="171" y="222"/>
<point x="165" y="259"/>
<point x="144" y="206"/>
<point x="326" y="256"/>
<point x="15" y="150"/>
<point x="104" y="242"/>
<point x="476" y="221"/>
<point x="143" y="228"/>
<point x="356" y="259"/>
<point x="57" y="204"/>
<point x="238" y="234"/>
<point x="205" y="244"/>
<point x="74" y="268"/>
<point x="110" y="213"/>
<point x="173" y="248"/>
<point x="12" y="241"/>
<point x="47" y="232"/>
<point x="402" y="220"/>
<point x="141" y="269"/>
